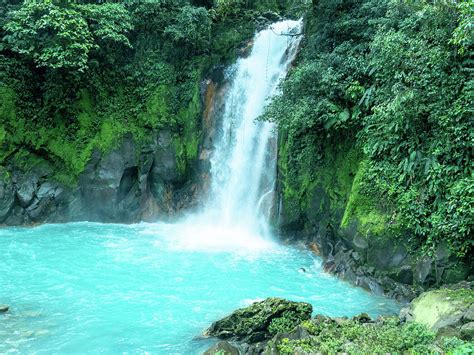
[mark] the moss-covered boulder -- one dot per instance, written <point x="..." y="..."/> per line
<point x="445" y="311"/>
<point x="222" y="348"/>
<point x="261" y="320"/>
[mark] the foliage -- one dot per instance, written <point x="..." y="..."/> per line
<point x="227" y="8"/>
<point x="287" y="322"/>
<point x="387" y="336"/>
<point x="463" y="34"/>
<point x="192" y="28"/>
<point x="108" y="23"/>
<point x="76" y="76"/>
<point x="383" y="76"/>
<point x="50" y="35"/>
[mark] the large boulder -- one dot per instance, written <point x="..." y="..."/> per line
<point x="445" y="311"/>
<point x="261" y="320"/>
<point x="222" y="348"/>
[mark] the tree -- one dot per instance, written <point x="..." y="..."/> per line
<point x="192" y="28"/>
<point x="63" y="36"/>
<point x="50" y="35"/>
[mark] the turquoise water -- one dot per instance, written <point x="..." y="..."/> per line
<point x="90" y="288"/>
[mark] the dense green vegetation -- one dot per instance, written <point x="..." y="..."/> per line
<point x="76" y="76"/>
<point x="383" y="89"/>
<point x="386" y="336"/>
<point x="388" y="86"/>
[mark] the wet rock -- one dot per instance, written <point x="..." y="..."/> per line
<point x="46" y="202"/>
<point x="360" y="242"/>
<point x="7" y="195"/>
<point x="251" y="324"/>
<point x="423" y="270"/>
<point x="299" y="333"/>
<point x="4" y="308"/>
<point x="25" y="189"/>
<point x="356" y="256"/>
<point x="456" y="273"/>
<point x="441" y="310"/>
<point x="467" y="331"/>
<point x="404" y="275"/>
<point x="132" y="182"/>
<point x="469" y="314"/>
<point x="362" y="318"/>
<point x="222" y="348"/>
<point x="165" y="165"/>
<point x="370" y="284"/>
<point x="405" y="315"/>
<point x="448" y="332"/>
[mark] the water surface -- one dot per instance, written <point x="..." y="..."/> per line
<point x="90" y="288"/>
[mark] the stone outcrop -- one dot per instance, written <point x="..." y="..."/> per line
<point x="222" y="348"/>
<point x="420" y="328"/>
<point x="446" y="311"/>
<point x="133" y="182"/>
<point x="259" y="321"/>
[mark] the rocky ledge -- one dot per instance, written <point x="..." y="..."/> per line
<point x="133" y="182"/>
<point x="438" y="321"/>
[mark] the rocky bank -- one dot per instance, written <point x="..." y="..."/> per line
<point x="133" y="182"/>
<point x="438" y="321"/>
<point x="358" y="240"/>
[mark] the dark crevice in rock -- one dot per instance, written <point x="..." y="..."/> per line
<point x="128" y="181"/>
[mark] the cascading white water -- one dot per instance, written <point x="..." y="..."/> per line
<point x="243" y="163"/>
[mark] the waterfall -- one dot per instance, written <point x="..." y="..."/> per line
<point x="243" y="166"/>
<point x="243" y="161"/>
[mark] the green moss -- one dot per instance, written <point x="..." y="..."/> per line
<point x="186" y="143"/>
<point x="75" y="152"/>
<point x="86" y="116"/>
<point x="190" y="119"/>
<point x="363" y="209"/>
<point x="157" y="111"/>
<point x="337" y="172"/>
<point x="316" y="184"/>
<point x="433" y="306"/>
<point x="8" y="121"/>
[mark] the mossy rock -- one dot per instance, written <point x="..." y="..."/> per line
<point x="442" y="308"/>
<point x="259" y="321"/>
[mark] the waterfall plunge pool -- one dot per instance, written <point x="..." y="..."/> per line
<point x="107" y="288"/>
<point x="90" y="288"/>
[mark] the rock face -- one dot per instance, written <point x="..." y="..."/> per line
<point x="446" y="311"/>
<point x="222" y="348"/>
<point x="261" y="320"/>
<point x="133" y="182"/>
<point x="351" y="232"/>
